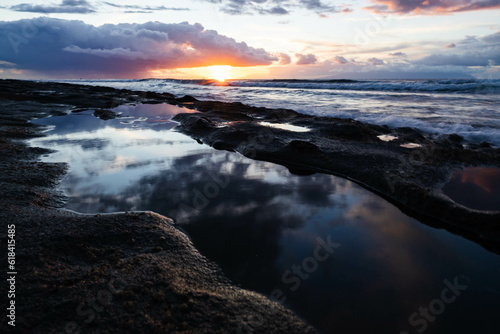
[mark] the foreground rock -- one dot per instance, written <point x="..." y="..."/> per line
<point x="120" y="273"/>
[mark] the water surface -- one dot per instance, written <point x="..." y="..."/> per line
<point x="340" y="256"/>
<point x="476" y="188"/>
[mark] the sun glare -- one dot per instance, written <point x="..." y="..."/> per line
<point x="220" y="72"/>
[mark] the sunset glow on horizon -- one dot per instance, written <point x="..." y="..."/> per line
<point x="220" y="73"/>
<point x="299" y="39"/>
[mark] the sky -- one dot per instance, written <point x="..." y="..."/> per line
<point x="250" y="39"/>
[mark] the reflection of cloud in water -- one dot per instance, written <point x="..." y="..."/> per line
<point x="263" y="220"/>
<point x="86" y="144"/>
<point x="475" y="187"/>
<point x="152" y="116"/>
<point x="258" y="227"/>
<point x="266" y="220"/>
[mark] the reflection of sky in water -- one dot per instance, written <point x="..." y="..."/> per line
<point x="475" y="187"/>
<point x="257" y="221"/>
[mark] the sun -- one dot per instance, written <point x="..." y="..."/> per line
<point x="220" y="73"/>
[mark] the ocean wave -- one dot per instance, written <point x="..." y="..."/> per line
<point x="435" y="86"/>
<point x="471" y="133"/>
<point x="472" y="86"/>
<point x="446" y="86"/>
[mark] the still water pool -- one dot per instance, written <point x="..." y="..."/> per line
<point x="341" y="257"/>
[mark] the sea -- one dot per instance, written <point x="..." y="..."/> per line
<point x="468" y="107"/>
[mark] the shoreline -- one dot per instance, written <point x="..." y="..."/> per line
<point x="105" y="273"/>
<point x="104" y="249"/>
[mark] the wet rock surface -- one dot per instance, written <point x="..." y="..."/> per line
<point x="105" y="114"/>
<point x="117" y="273"/>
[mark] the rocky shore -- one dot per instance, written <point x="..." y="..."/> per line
<point x="116" y="273"/>
<point x="135" y="272"/>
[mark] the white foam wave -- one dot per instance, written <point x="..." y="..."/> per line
<point x="449" y="86"/>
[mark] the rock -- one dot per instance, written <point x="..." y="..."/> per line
<point x="105" y="114"/>
<point x="186" y="98"/>
<point x="455" y="138"/>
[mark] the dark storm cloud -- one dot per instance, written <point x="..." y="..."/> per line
<point x="121" y="50"/>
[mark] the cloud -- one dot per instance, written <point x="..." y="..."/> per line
<point x="430" y="7"/>
<point x="84" y="7"/>
<point x="6" y="64"/>
<point x="318" y="7"/>
<point x="116" y="53"/>
<point x="144" y="9"/>
<point x="308" y="59"/>
<point x="473" y="55"/>
<point x="67" y="6"/>
<point x="375" y="61"/>
<point x="469" y="40"/>
<point x="284" y="58"/>
<point x="360" y="70"/>
<point x="468" y="59"/>
<point x="483" y="52"/>
<point x="240" y="7"/>
<point x="340" y="60"/>
<point x="273" y="7"/>
<point x="397" y="54"/>
<point x="278" y="10"/>
<point x="493" y="38"/>
<point x="73" y="48"/>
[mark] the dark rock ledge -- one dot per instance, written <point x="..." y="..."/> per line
<point x="119" y="273"/>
